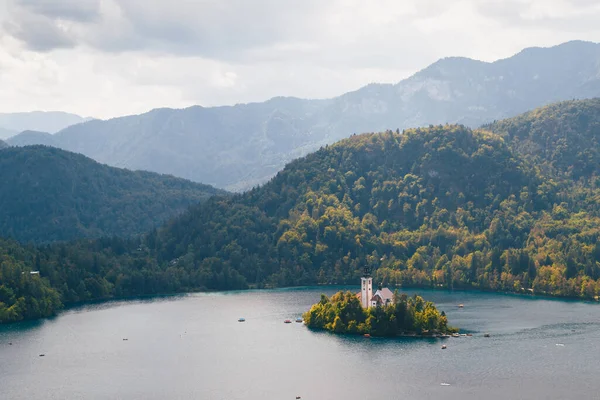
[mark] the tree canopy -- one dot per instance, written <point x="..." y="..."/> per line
<point x="47" y="195"/>
<point x="343" y="313"/>
<point x="442" y="207"/>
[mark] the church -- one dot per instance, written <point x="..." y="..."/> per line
<point x="382" y="297"/>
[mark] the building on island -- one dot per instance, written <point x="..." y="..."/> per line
<point x="382" y="297"/>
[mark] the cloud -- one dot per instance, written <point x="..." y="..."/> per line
<point x="45" y="25"/>
<point x="573" y="15"/>
<point x="40" y="34"/>
<point x="72" y="10"/>
<point x="114" y="57"/>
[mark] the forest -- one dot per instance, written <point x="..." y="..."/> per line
<point x="513" y="207"/>
<point x="343" y="313"/>
<point x="51" y="195"/>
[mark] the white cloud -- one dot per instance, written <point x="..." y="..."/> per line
<point x="113" y="57"/>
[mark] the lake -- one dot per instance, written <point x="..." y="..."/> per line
<point x="193" y="347"/>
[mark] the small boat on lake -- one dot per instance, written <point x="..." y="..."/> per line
<point x="486" y="335"/>
<point x="456" y="335"/>
<point x="367" y="335"/>
<point x="287" y="321"/>
<point x="443" y="346"/>
<point x="299" y="320"/>
<point x="461" y="306"/>
<point x="242" y="320"/>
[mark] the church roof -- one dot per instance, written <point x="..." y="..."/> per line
<point x="384" y="294"/>
<point x="387" y="294"/>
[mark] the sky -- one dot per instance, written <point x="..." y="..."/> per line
<point x="107" y="58"/>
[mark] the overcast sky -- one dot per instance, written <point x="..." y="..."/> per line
<point x="106" y="58"/>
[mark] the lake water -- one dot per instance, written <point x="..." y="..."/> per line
<point x="192" y="347"/>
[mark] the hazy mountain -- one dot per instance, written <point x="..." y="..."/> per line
<point x="438" y="206"/>
<point x="28" y="138"/>
<point x="563" y="138"/>
<point x="442" y="206"/>
<point x="240" y="146"/>
<point x="48" y="194"/>
<point x="45" y="121"/>
<point x="3" y="144"/>
<point x="6" y="133"/>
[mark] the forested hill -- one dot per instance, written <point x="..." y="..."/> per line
<point x="563" y="139"/>
<point x="47" y="194"/>
<point x="29" y="138"/>
<point x="441" y="206"/>
<point x="238" y="147"/>
<point x="399" y="202"/>
<point x="444" y="206"/>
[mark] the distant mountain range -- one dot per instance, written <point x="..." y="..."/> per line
<point x="48" y="194"/>
<point x="510" y="207"/>
<point x="28" y="138"/>
<point x="237" y="147"/>
<point x="3" y="144"/>
<point x="6" y="133"/>
<point x="47" y="121"/>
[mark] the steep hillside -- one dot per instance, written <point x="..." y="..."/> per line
<point x="48" y="194"/>
<point x="443" y="206"/>
<point x="3" y="144"/>
<point x="370" y="198"/>
<point x="561" y="139"/>
<point x="29" y="138"/>
<point x="244" y="145"/>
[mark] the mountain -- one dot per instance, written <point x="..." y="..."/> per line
<point x="48" y="194"/>
<point x="6" y="133"/>
<point x="439" y="207"/>
<point x="29" y="138"/>
<point x="563" y="139"/>
<point x="244" y="145"/>
<point x="3" y="144"/>
<point x="45" y="121"/>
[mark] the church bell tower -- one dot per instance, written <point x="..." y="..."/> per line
<point x="366" y="291"/>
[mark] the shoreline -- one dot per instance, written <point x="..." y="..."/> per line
<point x="108" y="300"/>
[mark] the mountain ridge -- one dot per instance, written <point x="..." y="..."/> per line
<point x="45" y="121"/>
<point x="49" y="194"/>
<point x="31" y="138"/>
<point x="496" y="208"/>
<point x="241" y="146"/>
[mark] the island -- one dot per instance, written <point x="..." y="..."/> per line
<point x="402" y="316"/>
<point x="381" y="313"/>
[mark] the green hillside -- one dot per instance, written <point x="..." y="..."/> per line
<point x="47" y="194"/>
<point x="444" y="206"/>
<point x="562" y="139"/>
